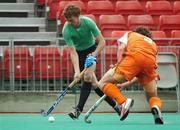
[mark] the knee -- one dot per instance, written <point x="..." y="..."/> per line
<point x="95" y="84"/>
<point x="101" y="84"/>
<point x="88" y="77"/>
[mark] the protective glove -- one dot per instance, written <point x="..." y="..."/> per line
<point x="89" y="61"/>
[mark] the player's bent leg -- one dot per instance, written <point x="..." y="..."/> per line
<point x="154" y="101"/>
<point x="109" y="100"/>
<point x="85" y="92"/>
<point x="109" y="77"/>
<point x="125" y="104"/>
<point x="107" y="84"/>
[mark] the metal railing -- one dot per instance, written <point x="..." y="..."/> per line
<point x="34" y="68"/>
<point x="49" y="68"/>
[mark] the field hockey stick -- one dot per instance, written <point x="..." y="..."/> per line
<point x="93" y="108"/>
<point x="60" y="96"/>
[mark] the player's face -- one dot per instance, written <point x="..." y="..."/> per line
<point x="74" y="21"/>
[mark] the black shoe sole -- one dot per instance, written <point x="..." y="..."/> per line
<point x="125" y="115"/>
<point x="157" y="119"/>
<point x="72" y="116"/>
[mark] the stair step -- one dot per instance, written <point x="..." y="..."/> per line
<point x="17" y="24"/>
<point x="28" y="38"/>
<point x="13" y="9"/>
<point x="8" y="1"/>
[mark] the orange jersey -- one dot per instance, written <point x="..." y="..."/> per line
<point x="139" y="59"/>
<point x="142" y="44"/>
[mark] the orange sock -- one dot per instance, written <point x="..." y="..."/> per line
<point x="155" y="101"/>
<point x="112" y="91"/>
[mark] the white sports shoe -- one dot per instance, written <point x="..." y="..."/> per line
<point x="125" y="108"/>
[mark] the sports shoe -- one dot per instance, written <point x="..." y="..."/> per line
<point x="158" y="119"/>
<point x="125" y="108"/>
<point x="75" y="113"/>
<point x="118" y="109"/>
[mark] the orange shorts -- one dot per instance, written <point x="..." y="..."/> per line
<point x="137" y="65"/>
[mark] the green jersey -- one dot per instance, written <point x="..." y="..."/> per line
<point x="83" y="36"/>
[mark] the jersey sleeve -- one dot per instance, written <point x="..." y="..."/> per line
<point x="67" y="36"/>
<point x="123" y="39"/>
<point x="93" y="27"/>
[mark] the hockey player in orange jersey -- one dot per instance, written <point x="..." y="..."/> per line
<point x="136" y="57"/>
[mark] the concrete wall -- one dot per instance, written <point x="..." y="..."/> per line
<point x="33" y="102"/>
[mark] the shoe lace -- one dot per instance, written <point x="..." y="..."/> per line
<point x="76" y="111"/>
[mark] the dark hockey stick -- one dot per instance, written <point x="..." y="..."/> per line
<point x="60" y="96"/>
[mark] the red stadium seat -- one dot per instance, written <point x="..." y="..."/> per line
<point x="22" y="63"/>
<point x="99" y="8"/>
<point x="109" y="23"/>
<point x="92" y="0"/>
<point x="64" y="4"/>
<point x="80" y="4"/>
<point x="176" y="8"/>
<point x="116" y="35"/>
<point x="41" y="2"/>
<point x="51" y="1"/>
<point x="67" y="67"/>
<point x="157" y="35"/>
<point x="91" y="16"/>
<point x="143" y="2"/>
<point x="53" y="8"/>
<point x="47" y="63"/>
<point x="157" y="8"/>
<point x="126" y="8"/>
<point x="141" y="20"/>
<point x="168" y="23"/>
<point x="175" y="34"/>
